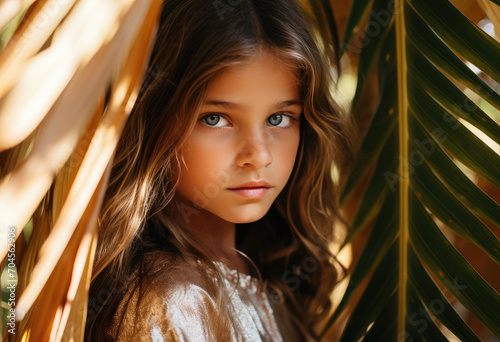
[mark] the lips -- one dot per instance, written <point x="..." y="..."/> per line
<point x="252" y="189"/>
<point x="252" y="184"/>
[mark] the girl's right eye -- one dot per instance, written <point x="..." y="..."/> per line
<point x="214" y="120"/>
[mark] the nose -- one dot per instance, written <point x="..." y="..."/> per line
<point x="254" y="151"/>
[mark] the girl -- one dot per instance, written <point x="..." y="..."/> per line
<point x="221" y="204"/>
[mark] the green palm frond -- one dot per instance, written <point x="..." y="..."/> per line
<point x="419" y="50"/>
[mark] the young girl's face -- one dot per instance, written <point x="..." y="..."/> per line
<point x="242" y="150"/>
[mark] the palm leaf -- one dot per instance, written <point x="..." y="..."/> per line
<point x="54" y="170"/>
<point x="415" y="187"/>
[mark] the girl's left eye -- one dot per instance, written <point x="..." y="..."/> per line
<point x="214" y="120"/>
<point x="279" y="120"/>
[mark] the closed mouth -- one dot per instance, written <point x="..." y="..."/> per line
<point x="252" y="185"/>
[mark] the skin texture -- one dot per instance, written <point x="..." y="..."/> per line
<point x="231" y="145"/>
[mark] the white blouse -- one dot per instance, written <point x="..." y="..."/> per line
<point x="179" y="305"/>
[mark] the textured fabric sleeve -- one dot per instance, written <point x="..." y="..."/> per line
<point x="178" y="304"/>
<point x="174" y="307"/>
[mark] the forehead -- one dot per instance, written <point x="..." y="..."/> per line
<point x="260" y="79"/>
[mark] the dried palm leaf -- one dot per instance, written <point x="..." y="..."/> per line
<point x="493" y="13"/>
<point x="23" y="189"/>
<point x="10" y="8"/>
<point x="55" y="168"/>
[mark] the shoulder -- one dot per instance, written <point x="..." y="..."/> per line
<point x="174" y="303"/>
<point x="181" y="287"/>
<point x="167" y="272"/>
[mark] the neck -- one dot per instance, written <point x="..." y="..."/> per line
<point x="217" y="234"/>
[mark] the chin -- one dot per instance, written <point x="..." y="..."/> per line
<point x="246" y="219"/>
<point x="246" y="216"/>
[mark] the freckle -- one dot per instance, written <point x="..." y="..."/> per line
<point x="387" y="57"/>
<point x="419" y="195"/>
<point x="441" y="274"/>
<point x="391" y="111"/>
<point x="355" y="29"/>
<point x="484" y="120"/>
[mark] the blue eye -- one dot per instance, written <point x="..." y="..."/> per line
<point x="214" y="120"/>
<point x="279" y="120"/>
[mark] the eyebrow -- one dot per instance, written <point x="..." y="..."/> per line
<point x="234" y="106"/>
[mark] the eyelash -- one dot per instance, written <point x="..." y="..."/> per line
<point x="291" y="116"/>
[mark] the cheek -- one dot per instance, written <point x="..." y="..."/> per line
<point x="190" y="174"/>
<point x="287" y="151"/>
<point x="198" y="162"/>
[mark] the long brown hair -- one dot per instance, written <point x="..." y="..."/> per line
<point x="196" y="41"/>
